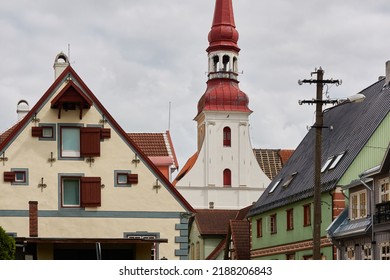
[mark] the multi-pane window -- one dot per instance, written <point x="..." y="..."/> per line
<point x="358" y="205"/>
<point x="226" y="137"/>
<point x="307" y="215"/>
<point x="366" y="252"/>
<point x="350" y="253"/>
<point x="384" y="191"/>
<point x="272" y="224"/>
<point x="290" y="219"/>
<point x="385" y="251"/>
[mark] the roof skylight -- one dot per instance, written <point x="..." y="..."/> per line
<point x="332" y="162"/>
<point x="336" y="160"/>
<point x="274" y="186"/>
<point x="287" y="183"/>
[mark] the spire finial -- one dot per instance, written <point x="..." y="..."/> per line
<point x="223" y="34"/>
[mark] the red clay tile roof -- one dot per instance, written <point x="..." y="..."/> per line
<point x="187" y="167"/>
<point x="155" y="144"/>
<point x="240" y="237"/>
<point x="6" y="133"/>
<point x="271" y="161"/>
<point x="285" y="155"/>
<point x="214" y="221"/>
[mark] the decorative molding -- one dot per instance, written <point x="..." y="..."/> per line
<point x="288" y="248"/>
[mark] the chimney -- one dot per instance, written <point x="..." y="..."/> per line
<point x="60" y="64"/>
<point x="33" y="218"/>
<point x="387" y="72"/>
<point x="22" y="109"/>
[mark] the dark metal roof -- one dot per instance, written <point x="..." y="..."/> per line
<point x="353" y="125"/>
<point x="343" y="227"/>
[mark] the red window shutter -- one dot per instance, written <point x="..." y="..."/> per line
<point x="105" y="133"/>
<point x="132" y="178"/>
<point x="9" y="176"/>
<point x="36" y="131"/>
<point x="90" y="191"/>
<point x="90" y="142"/>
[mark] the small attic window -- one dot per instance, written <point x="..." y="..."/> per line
<point x="274" y="186"/>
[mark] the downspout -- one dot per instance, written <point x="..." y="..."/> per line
<point x="371" y="189"/>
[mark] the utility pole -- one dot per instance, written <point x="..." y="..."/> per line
<point x="317" y="153"/>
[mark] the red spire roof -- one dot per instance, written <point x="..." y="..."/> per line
<point x="223" y="33"/>
<point x="223" y="95"/>
<point x="223" y="92"/>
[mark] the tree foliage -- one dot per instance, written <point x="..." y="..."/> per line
<point x="7" y="246"/>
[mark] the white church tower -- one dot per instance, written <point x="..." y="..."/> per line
<point x="223" y="173"/>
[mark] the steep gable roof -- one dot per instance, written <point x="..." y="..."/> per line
<point x="239" y="230"/>
<point x="214" y="221"/>
<point x="352" y="126"/>
<point x="70" y="75"/>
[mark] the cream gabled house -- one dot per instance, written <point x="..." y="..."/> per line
<point x="74" y="185"/>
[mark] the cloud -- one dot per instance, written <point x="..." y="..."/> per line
<point x="137" y="56"/>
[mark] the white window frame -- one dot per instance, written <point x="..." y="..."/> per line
<point x="366" y="251"/>
<point x="70" y="153"/>
<point x="326" y="164"/>
<point x="384" y="190"/>
<point x="274" y="186"/>
<point x="384" y="250"/>
<point x="336" y="161"/>
<point x="350" y="253"/>
<point x="356" y="209"/>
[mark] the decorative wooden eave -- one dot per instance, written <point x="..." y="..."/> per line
<point x="72" y="95"/>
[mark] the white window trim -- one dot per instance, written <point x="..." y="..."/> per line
<point x="358" y="205"/>
<point x="384" y="193"/>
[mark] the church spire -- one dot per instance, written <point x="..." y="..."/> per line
<point x="223" y="93"/>
<point x="223" y="34"/>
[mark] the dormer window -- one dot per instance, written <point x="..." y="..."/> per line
<point x="384" y="190"/>
<point x="358" y="205"/>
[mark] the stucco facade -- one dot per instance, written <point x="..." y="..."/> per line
<point x="148" y="207"/>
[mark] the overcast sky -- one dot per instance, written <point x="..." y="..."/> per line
<point x="138" y="55"/>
